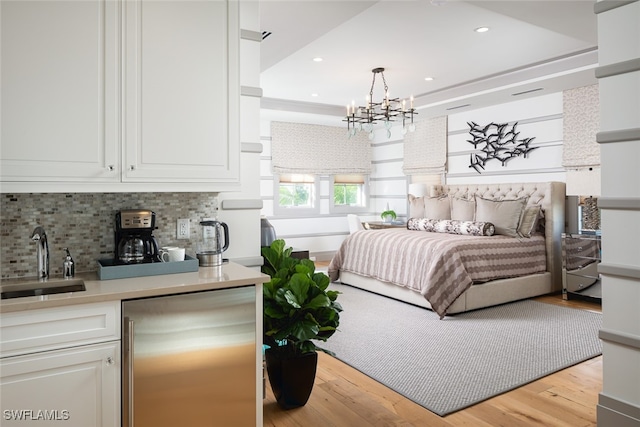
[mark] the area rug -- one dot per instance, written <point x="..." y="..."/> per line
<point x="450" y="364"/>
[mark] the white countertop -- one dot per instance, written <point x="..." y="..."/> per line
<point x="230" y="275"/>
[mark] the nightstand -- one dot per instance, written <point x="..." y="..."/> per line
<point x="581" y="255"/>
<point x="379" y="225"/>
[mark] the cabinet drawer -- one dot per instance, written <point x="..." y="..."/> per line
<point x="32" y="331"/>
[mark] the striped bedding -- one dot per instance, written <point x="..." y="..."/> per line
<point x="438" y="265"/>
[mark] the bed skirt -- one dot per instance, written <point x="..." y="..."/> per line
<point x="477" y="296"/>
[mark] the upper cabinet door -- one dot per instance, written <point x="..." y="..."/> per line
<point x="182" y="91"/>
<point x="59" y="97"/>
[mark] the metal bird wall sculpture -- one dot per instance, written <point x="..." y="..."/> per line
<point x="496" y="143"/>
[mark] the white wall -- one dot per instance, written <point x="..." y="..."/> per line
<point x="539" y="117"/>
<point x="243" y="217"/>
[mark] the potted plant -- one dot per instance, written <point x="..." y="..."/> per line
<point x="388" y="215"/>
<point x="298" y="308"/>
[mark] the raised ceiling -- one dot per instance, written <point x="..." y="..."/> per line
<point x="534" y="47"/>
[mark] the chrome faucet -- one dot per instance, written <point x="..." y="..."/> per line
<point x="42" y="252"/>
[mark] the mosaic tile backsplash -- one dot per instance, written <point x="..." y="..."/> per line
<point x="84" y="223"/>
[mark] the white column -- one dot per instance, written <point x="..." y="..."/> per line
<point x="619" y="137"/>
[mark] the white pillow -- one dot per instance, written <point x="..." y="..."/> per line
<point x="437" y="207"/>
<point x="504" y="214"/>
<point x="463" y="209"/>
<point x="416" y="206"/>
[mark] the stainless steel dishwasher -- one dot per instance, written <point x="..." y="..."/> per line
<point x="190" y="359"/>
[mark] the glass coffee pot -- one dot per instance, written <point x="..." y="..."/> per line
<point x="215" y="240"/>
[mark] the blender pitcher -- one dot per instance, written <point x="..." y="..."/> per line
<point x="215" y="240"/>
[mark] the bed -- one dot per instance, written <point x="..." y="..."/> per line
<point x="398" y="264"/>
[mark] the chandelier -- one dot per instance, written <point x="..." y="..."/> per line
<point x="387" y="111"/>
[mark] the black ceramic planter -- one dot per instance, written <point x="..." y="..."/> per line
<point x="291" y="378"/>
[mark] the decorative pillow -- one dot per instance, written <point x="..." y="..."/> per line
<point x="451" y="226"/>
<point x="529" y="220"/>
<point x="437" y="207"/>
<point x="504" y="214"/>
<point x="416" y="206"/>
<point x="463" y="209"/>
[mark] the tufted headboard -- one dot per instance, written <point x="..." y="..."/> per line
<point x="549" y="195"/>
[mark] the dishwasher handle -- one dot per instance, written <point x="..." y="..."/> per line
<point x="127" y="373"/>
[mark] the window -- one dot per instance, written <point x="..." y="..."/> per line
<point x="349" y="193"/>
<point x="296" y="192"/>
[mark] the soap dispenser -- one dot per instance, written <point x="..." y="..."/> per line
<point x="68" y="267"/>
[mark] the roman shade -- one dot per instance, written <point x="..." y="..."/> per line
<point x="296" y="178"/>
<point x="581" y="123"/>
<point x="316" y="149"/>
<point x="581" y="151"/>
<point x="425" y="150"/>
<point x="349" y="179"/>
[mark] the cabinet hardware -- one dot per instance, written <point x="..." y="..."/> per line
<point x="110" y="360"/>
<point x="110" y="168"/>
<point x="132" y="167"/>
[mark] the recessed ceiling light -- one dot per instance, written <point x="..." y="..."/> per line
<point x="314" y="94"/>
<point x="428" y="79"/>
<point x="481" y="29"/>
<point x="317" y="59"/>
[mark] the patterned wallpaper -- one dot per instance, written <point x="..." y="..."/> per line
<point x="84" y="223"/>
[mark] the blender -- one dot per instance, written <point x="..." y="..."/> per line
<point x="215" y="240"/>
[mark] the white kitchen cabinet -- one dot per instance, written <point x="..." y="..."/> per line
<point x="59" y="77"/>
<point x="77" y="386"/>
<point x="182" y="91"/>
<point x="61" y="364"/>
<point x="135" y="95"/>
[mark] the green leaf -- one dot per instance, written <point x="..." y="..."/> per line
<point x="299" y="285"/>
<point x="333" y="295"/>
<point x="292" y="299"/>
<point x="305" y="330"/>
<point x="319" y="301"/>
<point x="391" y="213"/>
<point x="321" y="280"/>
<point x="274" y="313"/>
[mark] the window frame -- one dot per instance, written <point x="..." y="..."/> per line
<point x="344" y="209"/>
<point x="295" y="210"/>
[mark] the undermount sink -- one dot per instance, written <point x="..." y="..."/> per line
<point x="30" y="289"/>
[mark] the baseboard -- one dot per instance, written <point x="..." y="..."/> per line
<point x="616" y="413"/>
<point x="323" y="255"/>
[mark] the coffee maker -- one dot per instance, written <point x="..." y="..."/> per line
<point x="134" y="241"/>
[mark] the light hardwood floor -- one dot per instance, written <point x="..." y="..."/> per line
<point x="343" y="396"/>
